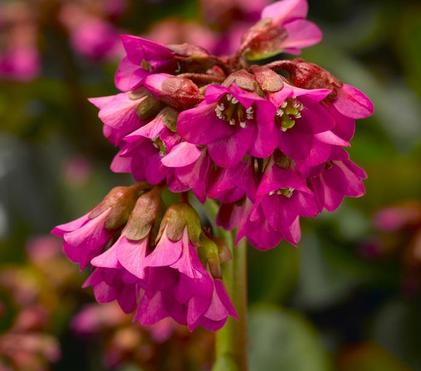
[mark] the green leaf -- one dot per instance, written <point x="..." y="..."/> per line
<point x="283" y="340"/>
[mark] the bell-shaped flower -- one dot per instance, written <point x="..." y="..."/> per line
<point x="336" y="179"/>
<point x="143" y="57"/>
<point x="297" y="32"/>
<point x="86" y="237"/>
<point x="125" y="112"/>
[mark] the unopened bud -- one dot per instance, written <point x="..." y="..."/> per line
<point x="308" y="75"/>
<point x="176" y="219"/>
<point x="178" y="92"/>
<point x="121" y="201"/>
<point x="143" y="216"/>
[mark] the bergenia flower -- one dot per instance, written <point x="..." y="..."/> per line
<point x="282" y="197"/>
<point x="189" y="168"/>
<point x="264" y="140"/>
<point x="87" y="236"/>
<point x="178" y="285"/>
<point x="143" y="57"/>
<point x="231" y="122"/>
<point x="84" y="238"/>
<point x="336" y="179"/>
<point x="289" y="16"/>
<point x="115" y="285"/>
<point x="125" y="112"/>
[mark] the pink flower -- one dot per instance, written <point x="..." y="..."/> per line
<point x="144" y="150"/>
<point x="111" y="284"/>
<point x="231" y="122"/>
<point x="298" y="119"/>
<point x="120" y="113"/>
<point x="178" y="286"/>
<point x="188" y="168"/>
<point x="337" y="178"/>
<point x="143" y="57"/>
<point x="94" y="318"/>
<point x="233" y="183"/>
<point x="84" y="238"/>
<point x="124" y="253"/>
<point x="289" y="16"/>
<point x="353" y="103"/>
<point x="282" y="197"/>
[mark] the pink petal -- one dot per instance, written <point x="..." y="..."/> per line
<point x="301" y="33"/>
<point x="181" y="155"/>
<point x="281" y="11"/>
<point x="353" y="103"/>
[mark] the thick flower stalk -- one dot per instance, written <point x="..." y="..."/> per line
<point x="265" y="142"/>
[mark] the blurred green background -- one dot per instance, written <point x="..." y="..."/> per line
<point x="348" y="298"/>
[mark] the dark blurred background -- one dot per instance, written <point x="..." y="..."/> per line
<point x="347" y="299"/>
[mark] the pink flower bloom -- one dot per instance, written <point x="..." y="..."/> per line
<point x="143" y="57"/>
<point x="111" y="284"/>
<point x="337" y="178"/>
<point x="298" y="119"/>
<point x="94" y="318"/>
<point x="126" y="254"/>
<point x="84" y="238"/>
<point x="233" y="183"/>
<point x="290" y="16"/>
<point x="188" y="169"/>
<point x="119" y="115"/>
<point x="144" y="150"/>
<point x="353" y="103"/>
<point x="282" y="197"/>
<point x="178" y="286"/>
<point x="231" y="122"/>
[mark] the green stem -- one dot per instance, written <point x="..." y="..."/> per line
<point x="231" y="340"/>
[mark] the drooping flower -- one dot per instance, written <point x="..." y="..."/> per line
<point x="297" y="32"/>
<point x="130" y="250"/>
<point x="281" y="199"/>
<point x="125" y="112"/>
<point x="115" y="284"/>
<point x="87" y="236"/>
<point x="178" y="285"/>
<point x="143" y="57"/>
<point x="337" y="178"/>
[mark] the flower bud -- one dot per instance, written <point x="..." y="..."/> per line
<point x="120" y="201"/>
<point x="143" y="216"/>
<point x="176" y="219"/>
<point x="178" y="92"/>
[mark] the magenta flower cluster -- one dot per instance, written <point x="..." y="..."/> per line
<point x="265" y="140"/>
